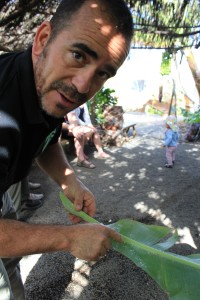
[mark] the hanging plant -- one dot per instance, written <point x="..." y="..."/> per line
<point x="165" y="67"/>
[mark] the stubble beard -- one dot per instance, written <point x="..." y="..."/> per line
<point x="56" y="110"/>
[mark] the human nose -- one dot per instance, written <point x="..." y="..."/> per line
<point x="83" y="81"/>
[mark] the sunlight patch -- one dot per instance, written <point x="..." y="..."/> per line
<point x="142" y="173"/>
<point x="197" y="225"/>
<point x="150" y="147"/>
<point x="27" y="263"/>
<point x="141" y="207"/>
<point x="192" y="150"/>
<point x="153" y="195"/>
<point x="107" y="174"/>
<point x="155" y="213"/>
<point x="112" y="188"/>
<point x="186" y="237"/>
<point x="80" y="278"/>
<point x="121" y="164"/>
<point x="129" y="175"/>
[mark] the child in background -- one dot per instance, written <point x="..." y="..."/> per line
<point x="171" y="140"/>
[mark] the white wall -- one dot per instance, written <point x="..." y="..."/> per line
<point x="138" y="79"/>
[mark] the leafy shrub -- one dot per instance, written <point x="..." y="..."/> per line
<point x="153" y="111"/>
<point x="98" y="104"/>
<point x="190" y="117"/>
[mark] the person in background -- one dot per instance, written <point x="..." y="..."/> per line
<point x="72" y="56"/>
<point x="22" y="196"/>
<point x="30" y="199"/>
<point x="34" y="185"/>
<point x="171" y="140"/>
<point x="193" y="133"/>
<point x="79" y="124"/>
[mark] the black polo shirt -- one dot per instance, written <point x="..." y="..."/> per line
<point x="25" y="130"/>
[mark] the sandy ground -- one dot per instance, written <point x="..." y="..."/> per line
<point x="132" y="183"/>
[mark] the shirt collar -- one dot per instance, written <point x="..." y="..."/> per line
<point x="33" y="111"/>
<point x="28" y="91"/>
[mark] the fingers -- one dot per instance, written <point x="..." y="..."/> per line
<point x="78" y="204"/>
<point x="86" y="202"/>
<point x="91" y="241"/>
<point x="74" y="219"/>
<point x="115" y="236"/>
<point x="107" y="243"/>
<point x="82" y="198"/>
<point x="103" y="253"/>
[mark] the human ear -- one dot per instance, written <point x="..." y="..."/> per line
<point x="41" y="37"/>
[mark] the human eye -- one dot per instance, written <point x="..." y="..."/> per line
<point x="78" y="56"/>
<point x="107" y="72"/>
<point x="104" y="75"/>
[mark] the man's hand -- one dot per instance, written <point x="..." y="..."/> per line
<point x="85" y="241"/>
<point x="91" y="241"/>
<point x="82" y="198"/>
<point x="53" y="161"/>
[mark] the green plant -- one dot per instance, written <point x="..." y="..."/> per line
<point x="153" y="111"/>
<point x="165" y="67"/>
<point x="190" y="117"/>
<point x="99" y="102"/>
<point x="177" y="275"/>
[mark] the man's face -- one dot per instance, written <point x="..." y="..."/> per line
<point x="74" y="66"/>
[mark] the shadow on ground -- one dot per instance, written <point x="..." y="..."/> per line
<point x="134" y="184"/>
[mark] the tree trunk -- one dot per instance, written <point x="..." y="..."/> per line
<point x="173" y="99"/>
<point x="193" y="67"/>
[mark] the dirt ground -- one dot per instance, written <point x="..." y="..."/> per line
<point x="133" y="183"/>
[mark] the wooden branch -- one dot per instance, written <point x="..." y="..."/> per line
<point x="4" y="49"/>
<point x="21" y="10"/>
<point x="144" y="24"/>
<point x="166" y="33"/>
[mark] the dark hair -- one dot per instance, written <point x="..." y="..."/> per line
<point x="117" y="9"/>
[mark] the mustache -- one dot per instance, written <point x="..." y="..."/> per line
<point x="68" y="91"/>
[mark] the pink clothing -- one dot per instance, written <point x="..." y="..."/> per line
<point x="170" y="154"/>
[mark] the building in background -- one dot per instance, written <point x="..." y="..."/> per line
<point x="138" y="80"/>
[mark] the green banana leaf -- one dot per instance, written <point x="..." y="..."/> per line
<point x="146" y="245"/>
